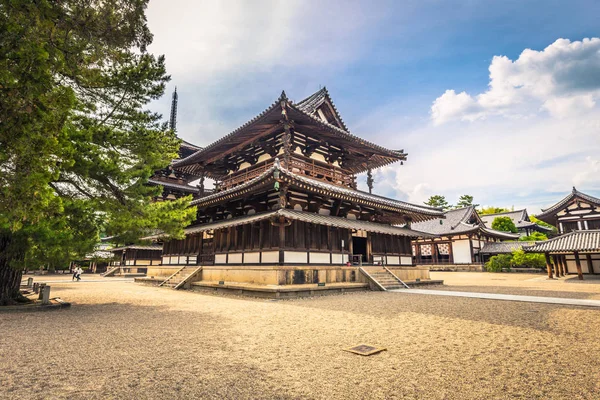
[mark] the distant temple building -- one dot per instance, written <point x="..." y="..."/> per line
<point x="459" y="238"/>
<point x="176" y="183"/>
<point x="286" y="210"/>
<point x="577" y="249"/>
<point x="521" y="220"/>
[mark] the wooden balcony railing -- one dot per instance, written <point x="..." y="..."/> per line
<point x="331" y="175"/>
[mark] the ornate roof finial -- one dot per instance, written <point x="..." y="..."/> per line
<point x="574" y="190"/>
<point x="173" y="120"/>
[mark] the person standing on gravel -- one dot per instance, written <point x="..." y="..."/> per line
<point x="78" y="273"/>
<point x="75" y="272"/>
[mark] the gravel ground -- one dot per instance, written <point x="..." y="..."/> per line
<point x="520" y="284"/>
<point x="121" y="340"/>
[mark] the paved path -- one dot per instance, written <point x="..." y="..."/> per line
<point x="509" y="297"/>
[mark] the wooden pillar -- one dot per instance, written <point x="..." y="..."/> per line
<point x="578" y="263"/>
<point x="281" y="240"/>
<point x="369" y="248"/>
<point x="556" y="266"/>
<point x="548" y="265"/>
<point x="590" y="264"/>
<point x="565" y="265"/>
<point x="561" y="266"/>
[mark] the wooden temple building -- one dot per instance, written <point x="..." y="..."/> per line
<point x="286" y="210"/>
<point x="521" y="220"/>
<point x="577" y="248"/>
<point x="457" y="241"/>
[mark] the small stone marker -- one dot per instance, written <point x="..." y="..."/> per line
<point x="29" y="282"/>
<point x="36" y="287"/>
<point x="46" y="295"/>
<point x="365" y="350"/>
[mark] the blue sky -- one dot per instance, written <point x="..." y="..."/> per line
<point x="389" y="66"/>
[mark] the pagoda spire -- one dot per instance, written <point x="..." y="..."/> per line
<point x="173" y="120"/>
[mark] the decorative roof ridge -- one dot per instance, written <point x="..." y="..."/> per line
<point x="396" y="153"/>
<point x="327" y="96"/>
<point x="505" y="212"/>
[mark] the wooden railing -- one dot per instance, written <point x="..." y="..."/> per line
<point x="331" y="175"/>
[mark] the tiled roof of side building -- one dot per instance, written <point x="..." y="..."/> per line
<point x="503" y="247"/>
<point x="457" y="222"/>
<point x="426" y="212"/>
<point x="550" y="211"/>
<point x="138" y="247"/>
<point x="583" y="241"/>
<point x="308" y="217"/>
<point x="179" y="186"/>
<point x="519" y="217"/>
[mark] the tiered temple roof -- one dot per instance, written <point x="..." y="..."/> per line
<point x="267" y="178"/>
<point x="310" y="118"/>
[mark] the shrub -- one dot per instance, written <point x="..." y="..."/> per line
<point x="498" y="263"/>
<point x="528" y="260"/>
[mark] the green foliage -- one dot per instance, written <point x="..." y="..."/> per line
<point x="527" y="260"/>
<point x="504" y="224"/>
<point x="465" y="201"/>
<point x="76" y="142"/>
<point x="533" y="219"/>
<point x="534" y="237"/>
<point x="492" y="210"/>
<point x="498" y="263"/>
<point x="438" y="201"/>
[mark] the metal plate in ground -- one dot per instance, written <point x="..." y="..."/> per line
<point x="365" y="349"/>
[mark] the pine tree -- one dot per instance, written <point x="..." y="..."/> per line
<point x="76" y="142"/>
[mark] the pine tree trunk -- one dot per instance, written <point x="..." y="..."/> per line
<point x="10" y="278"/>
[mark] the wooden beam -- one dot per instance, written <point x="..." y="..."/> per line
<point x="548" y="265"/>
<point x="578" y="263"/>
<point x="243" y="144"/>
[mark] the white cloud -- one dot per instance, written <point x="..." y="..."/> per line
<point x="563" y="80"/>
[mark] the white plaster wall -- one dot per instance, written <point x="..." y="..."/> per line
<point x="393" y="260"/>
<point x="165" y="260"/>
<point x="461" y="250"/>
<point x="339" y="258"/>
<point x="220" y="259"/>
<point x="319" y="258"/>
<point x="299" y="257"/>
<point x="235" y="258"/>
<point x="252" y="258"/>
<point x="269" y="257"/>
<point x="406" y="260"/>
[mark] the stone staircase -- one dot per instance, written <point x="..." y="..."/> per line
<point x="386" y="278"/>
<point x="111" y="271"/>
<point x="179" y="278"/>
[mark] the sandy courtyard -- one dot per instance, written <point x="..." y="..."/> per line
<point x="121" y="340"/>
